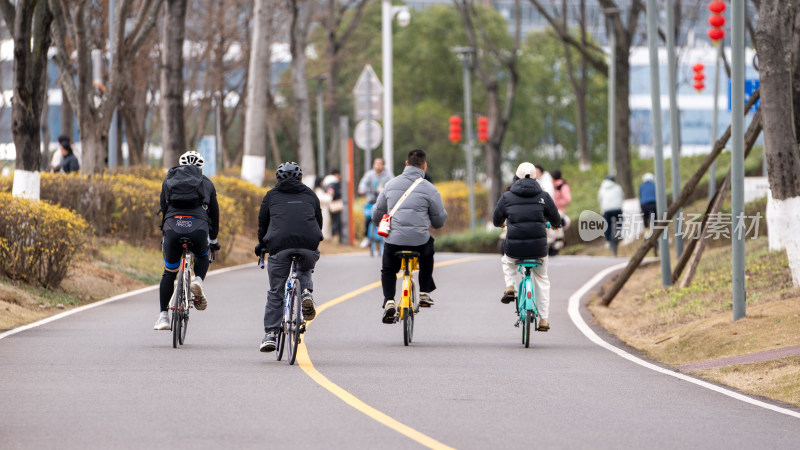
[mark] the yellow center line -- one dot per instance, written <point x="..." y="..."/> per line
<point x="304" y="360"/>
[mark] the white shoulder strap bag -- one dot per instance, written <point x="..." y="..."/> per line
<point x="386" y="221"/>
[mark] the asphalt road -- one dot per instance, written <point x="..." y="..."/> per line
<point x="102" y="378"/>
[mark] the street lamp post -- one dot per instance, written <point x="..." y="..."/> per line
<point x="403" y="17"/>
<point x="465" y="54"/>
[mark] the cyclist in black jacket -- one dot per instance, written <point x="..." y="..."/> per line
<point x="290" y="221"/>
<point x="526" y="209"/>
<point x="199" y="221"/>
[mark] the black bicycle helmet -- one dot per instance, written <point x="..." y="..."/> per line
<point x="289" y="170"/>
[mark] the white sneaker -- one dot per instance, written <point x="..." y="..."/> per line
<point x="365" y="243"/>
<point x="200" y="301"/>
<point x="163" y="322"/>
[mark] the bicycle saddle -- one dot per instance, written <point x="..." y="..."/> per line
<point x="406" y="254"/>
<point x="528" y="262"/>
<point x="185" y="241"/>
<point x="296" y="256"/>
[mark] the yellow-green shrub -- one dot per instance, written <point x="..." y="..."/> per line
<point x="150" y="173"/>
<point x="455" y="195"/>
<point x="39" y="240"/>
<point x="248" y="197"/>
<point x="91" y="197"/>
<point x="136" y="206"/>
<point x="231" y="223"/>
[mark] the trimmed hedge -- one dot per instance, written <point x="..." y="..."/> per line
<point x="247" y="195"/>
<point x="455" y="195"/>
<point x="39" y="240"/>
<point x="477" y="242"/>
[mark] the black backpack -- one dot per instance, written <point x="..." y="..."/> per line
<point x="185" y="187"/>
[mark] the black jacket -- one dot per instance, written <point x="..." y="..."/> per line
<point x="69" y="164"/>
<point x="290" y="217"/>
<point x="527" y="209"/>
<point x="208" y="212"/>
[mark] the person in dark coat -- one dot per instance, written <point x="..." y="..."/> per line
<point x="526" y="209"/>
<point x="69" y="163"/>
<point x="289" y="221"/>
<point x="647" y="198"/>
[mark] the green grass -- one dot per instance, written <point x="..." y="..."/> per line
<point x="142" y="264"/>
<point x="584" y="185"/>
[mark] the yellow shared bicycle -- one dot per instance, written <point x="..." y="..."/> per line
<point x="408" y="306"/>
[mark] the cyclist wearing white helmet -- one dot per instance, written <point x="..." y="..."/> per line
<point x="189" y="208"/>
<point x="289" y="221"/>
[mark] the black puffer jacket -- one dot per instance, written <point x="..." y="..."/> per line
<point x="527" y="209"/>
<point x="290" y="217"/>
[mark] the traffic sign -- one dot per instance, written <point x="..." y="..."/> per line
<point x="368" y="94"/>
<point x="750" y="86"/>
<point x="368" y="135"/>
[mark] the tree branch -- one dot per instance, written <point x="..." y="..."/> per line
<point x="145" y="21"/>
<point x="598" y="63"/>
<point x="9" y="13"/>
<point x="61" y="57"/>
<point x="353" y="23"/>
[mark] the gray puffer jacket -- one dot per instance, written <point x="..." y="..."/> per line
<point x="422" y="209"/>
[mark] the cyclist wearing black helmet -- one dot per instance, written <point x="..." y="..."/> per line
<point x="189" y="208"/>
<point x="290" y="221"/>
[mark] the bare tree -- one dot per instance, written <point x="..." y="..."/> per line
<point x="173" y="129"/>
<point x="29" y="22"/>
<point x="73" y="26"/>
<point x="776" y="38"/>
<point x="499" y="109"/>
<point x="579" y="84"/>
<point x="337" y="35"/>
<point x="255" y="134"/>
<point x="624" y="34"/>
<point x="302" y="16"/>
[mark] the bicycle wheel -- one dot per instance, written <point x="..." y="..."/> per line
<point x="176" y="313"/>
<point x="526" y="329"/>
<point x="408" y="317"/>
<point x="280" y="341"/>
<point x="185" y="317"/>
<point x="294" y="326"/>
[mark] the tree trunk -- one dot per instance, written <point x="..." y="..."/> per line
<point x="301" y="18"/>
<point x="31" y="32"/>
<point x="774" y="46"/>
<point x="67" y="117"/>
<point x="255" y="136"/>
<point x="493" y="155"/>
<point x="44" y="163"/>
<point x="623" y="115"/>
<point x="133" y="112"/>
<point x="173" y="135"/>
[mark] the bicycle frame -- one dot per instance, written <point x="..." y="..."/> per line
<point x="526" y="298"/>
<point x="408" y="266"/>
<point x="288" y="292"/>
<point x="185" y="274"/>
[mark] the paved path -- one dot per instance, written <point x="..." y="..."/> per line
<point x="103" y="378"/>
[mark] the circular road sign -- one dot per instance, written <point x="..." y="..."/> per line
<point x="368" y="134"/>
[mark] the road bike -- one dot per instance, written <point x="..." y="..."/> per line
<point x="293" y="323"/>
<point x="375" y="240"/>
<point x="408" y="306"/>
<point x="527" y="312"/>
<point x="182" y="297"/>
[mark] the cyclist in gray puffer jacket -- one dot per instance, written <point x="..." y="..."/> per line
<point x="410" y="230"/>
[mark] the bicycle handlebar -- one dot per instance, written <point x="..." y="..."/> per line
<point x="261" y="259"/>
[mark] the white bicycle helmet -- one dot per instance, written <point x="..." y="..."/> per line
<point x="192" y="158"/>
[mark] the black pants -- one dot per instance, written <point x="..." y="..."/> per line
<point x="648" y="210"/>
<point x="174" y="229"/>
<point x="391" y="265"/>
<point x="608" y="215"/>
<point x="278" y="266"/>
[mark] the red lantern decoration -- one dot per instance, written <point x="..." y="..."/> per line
<point x="717" y="7"/>
<point x="699" y="77"/>
<point x="483" y="129"/>
<point x="455" y="129"/>
<point x="716" y="35"/>
<point x="717" y="21"/>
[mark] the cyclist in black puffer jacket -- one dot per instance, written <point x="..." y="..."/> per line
<point x="527" y="208"/>
<point x="290" y="221"/>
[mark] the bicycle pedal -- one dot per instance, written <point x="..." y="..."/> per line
<point x="516" y="324"/>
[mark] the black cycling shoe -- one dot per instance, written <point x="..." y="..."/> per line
<point x="389" y="310"/>
<point x="509" y="295"/>
<point x="268" y="344"/>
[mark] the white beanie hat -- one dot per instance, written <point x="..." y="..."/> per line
<point x="526" y="169"/>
